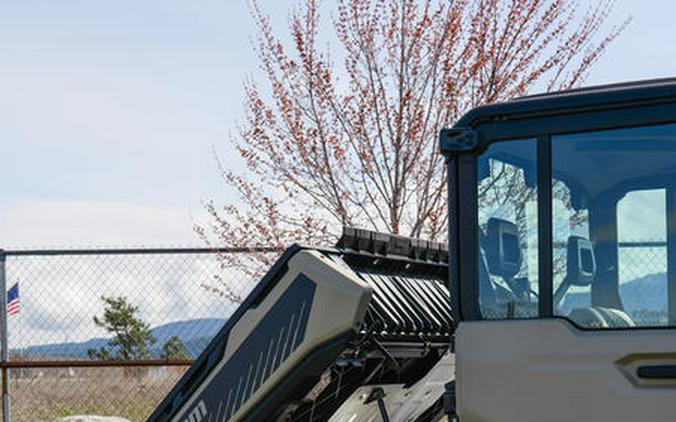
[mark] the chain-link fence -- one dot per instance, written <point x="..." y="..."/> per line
<point x="642" y="267"/>
<point x="61" y="361"/>
<point x="642" y="282"/>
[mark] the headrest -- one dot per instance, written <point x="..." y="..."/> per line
<point x="581" y="263"/>
<point x="503" y="251"/>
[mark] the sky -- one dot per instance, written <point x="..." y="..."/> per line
<point x="109" y="116"/>
<point x="111" y="112"/>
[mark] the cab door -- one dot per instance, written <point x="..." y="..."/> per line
<point x="551" y="370"/>
<point x="568" y="307"/>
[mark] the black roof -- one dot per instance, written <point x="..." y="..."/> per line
<point x="574" y="100"/>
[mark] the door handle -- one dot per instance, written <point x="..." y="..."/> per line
<point x="656" y="372"/>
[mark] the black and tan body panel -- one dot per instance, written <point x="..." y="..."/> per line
<point x="311" y="308"/>
<point x="322" y="323"/>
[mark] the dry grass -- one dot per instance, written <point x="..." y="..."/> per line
<point x="102" y="391"/>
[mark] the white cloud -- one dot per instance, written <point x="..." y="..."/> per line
<point x="61" y="294"/>
<point x="72" y="223"/>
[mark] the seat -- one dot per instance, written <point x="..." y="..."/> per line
<point x="501" y="293"/>
<point x="600" y="317"/>
<point x="581" y="271"/>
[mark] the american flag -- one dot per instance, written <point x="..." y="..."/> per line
<point x="13" y="300"/>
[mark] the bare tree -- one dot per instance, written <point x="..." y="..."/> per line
<point x="353" y="142"/>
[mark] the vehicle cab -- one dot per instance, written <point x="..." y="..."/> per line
<point x="562" y="240"/>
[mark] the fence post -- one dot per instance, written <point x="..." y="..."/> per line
<point x="6" y="417"/>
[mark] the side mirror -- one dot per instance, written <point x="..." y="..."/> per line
<point x="581" y="263"/>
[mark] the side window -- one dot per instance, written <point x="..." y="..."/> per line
<point x="508" y="244"/>
<point x="610" y="226"/>
<point x="642" y="256"/>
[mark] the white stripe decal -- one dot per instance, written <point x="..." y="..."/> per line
<point x="300" y="319"/>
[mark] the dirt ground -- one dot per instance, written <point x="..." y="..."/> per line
<point x="132" y="394"/>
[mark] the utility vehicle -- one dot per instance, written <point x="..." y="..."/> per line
<point x="553" y="300"/>
<point x="562" y="239"/>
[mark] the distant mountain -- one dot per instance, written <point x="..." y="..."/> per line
<point x="644" y="298"/>
<point x="195" y="334"/>
<point x="188" y="330"/>
<point x="645" y="293"/>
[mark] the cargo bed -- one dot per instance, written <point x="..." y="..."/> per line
<point x="332" y="334"/>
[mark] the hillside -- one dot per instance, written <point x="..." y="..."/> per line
<point x="195" y="334"/>
<point x="644" y="298"/>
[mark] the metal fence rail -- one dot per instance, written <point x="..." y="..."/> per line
<point x="46" y="369"/>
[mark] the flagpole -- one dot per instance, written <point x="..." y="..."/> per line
<point x="6" y="417"/>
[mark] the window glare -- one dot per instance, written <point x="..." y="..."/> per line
<point x="508" y="243"/>
<point x="609" y="209"/>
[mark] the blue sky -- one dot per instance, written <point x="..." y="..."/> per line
<point x="109" y="110"/>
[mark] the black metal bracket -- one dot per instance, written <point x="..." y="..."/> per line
<point x="387" y="245"/>
<point x="377" y="395"/>
<point x="458" y="139"/>
<point x="449" y="401"/>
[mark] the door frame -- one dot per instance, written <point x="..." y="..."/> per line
<point x="539" y="118"/>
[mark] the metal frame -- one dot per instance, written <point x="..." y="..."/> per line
<point x="539" y="117"/>
<point x="6" y="398"/>
<point x="545" y="236"/>
<point x="137" y="251"/>
<point x="671" y="254"/>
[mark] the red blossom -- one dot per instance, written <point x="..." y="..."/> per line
<point x="354" y="143"/>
